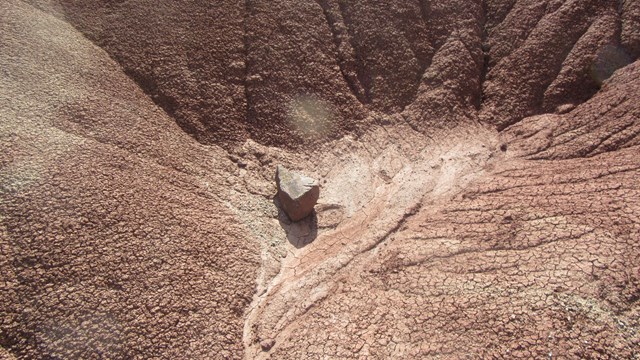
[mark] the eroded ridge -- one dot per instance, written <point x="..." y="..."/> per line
<point x="234" y="69"/>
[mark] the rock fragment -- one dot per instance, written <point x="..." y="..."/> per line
<point x="297" y="193"/>
<point x="266" y="345"/>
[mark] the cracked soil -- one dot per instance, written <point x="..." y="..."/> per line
<point x="478" y="161"/>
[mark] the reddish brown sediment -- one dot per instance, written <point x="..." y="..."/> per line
<point x="477" y="160"/>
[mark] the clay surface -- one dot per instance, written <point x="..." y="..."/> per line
<point x="478" y="159"/>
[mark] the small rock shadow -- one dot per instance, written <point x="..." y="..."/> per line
<point x="299" y="233"/>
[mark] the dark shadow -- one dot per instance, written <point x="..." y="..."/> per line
<point x="299" y="233"/>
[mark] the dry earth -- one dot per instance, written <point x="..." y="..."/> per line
<point x="478" y="161"/>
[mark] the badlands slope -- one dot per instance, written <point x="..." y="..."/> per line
<point x="478" y="161"/>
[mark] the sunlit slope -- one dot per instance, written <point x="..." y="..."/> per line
<point x="112" y="222"/>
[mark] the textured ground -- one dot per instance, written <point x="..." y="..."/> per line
<point x="478" y="163"/>
<point x="532" y="259"/>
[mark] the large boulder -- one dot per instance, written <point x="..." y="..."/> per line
<point x="297" y="193"/>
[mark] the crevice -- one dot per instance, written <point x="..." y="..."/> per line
<point x="589" y="124"/>
<point x="594" y="146"/>
<point x="425" y="14"/>
<point x="353" y="84"/>
<point x="587" y="91"/>
<point x="570" y="181"/>
<point x="410" y="123"/>
<point x="537" y="98"/>
<point x="150" y="87"/>
<point x="248" y="113"/>
<point x="506" y="13"/>
<point x="519" y="41"/>
<point x="364" y="76"/>
<point x="424" y="10"/>
<point x="484" y="46"/>
<point x="398" y="226"/>
<point x="566" y="51"/>
<point x="426" y="62"/>
<point x="531" y="30"/>
<point x="591" y="129"/>
<point x="626" y="142"/>
<point x="497" y="249"/>
<point x="620" y="7"/>
<point x="593" y="150"/>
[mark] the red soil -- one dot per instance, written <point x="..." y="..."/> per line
<point x="478" y="164"/>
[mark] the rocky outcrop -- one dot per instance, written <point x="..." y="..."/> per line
<point x="298" y="194"/>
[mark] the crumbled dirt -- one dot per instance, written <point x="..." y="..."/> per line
<point x="478" y="162"/>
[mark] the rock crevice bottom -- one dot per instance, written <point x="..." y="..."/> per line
<point x="297" y="193"/>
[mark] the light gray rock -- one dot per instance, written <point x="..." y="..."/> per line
<point x="297" y="193"/>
